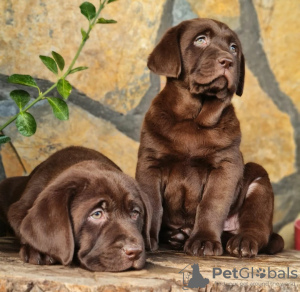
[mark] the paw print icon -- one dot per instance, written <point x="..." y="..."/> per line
<point x="261" y="273"/>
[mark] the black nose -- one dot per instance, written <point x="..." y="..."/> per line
<point x="225" y="62"/>
<point x="133" y="251"/>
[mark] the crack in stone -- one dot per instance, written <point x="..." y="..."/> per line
<point x="2" y="172"/>
<point x="129" y="124"/>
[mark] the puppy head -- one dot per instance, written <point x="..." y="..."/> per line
<point x="205" y="53"/>
<point x="108" y="227"/>
<point x="93" y="213"/>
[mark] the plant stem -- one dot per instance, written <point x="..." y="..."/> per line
<point x="42" y="95"/>
<point x="91" y="25"/>
<point x="9" y="122"/>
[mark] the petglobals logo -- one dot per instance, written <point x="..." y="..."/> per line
<point x="194" y="279"/>
<point x="252" y="273"/>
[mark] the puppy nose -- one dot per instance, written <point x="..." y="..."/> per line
<point x="225" y="62"/>
<point x="133" y="251"/>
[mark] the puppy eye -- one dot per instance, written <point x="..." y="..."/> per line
<point x="233" y="48"/>
<point x="201" y="40"/>
<point x="98" y="214"/>
<point x="135" y="214"/>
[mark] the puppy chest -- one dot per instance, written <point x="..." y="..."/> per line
<point x="183" y="186"/>
<point x="197" y="141"/>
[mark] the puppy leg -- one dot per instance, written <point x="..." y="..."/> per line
<point x="213" y="209"/>
<point x="255" y="216"/>
<point x="150" y="182"/>
<point x="30" y="255"/>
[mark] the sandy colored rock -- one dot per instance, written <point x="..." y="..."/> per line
<point x="267" y="133"/>
<point x="82" y="129"/>
<point x="226" y="11"/>
<point x="282" y="206"/>
<point x="115" y="54"/>
<point x="11" y="161"/>
<point x="161" y="273"/>
<point x="279" y="24"/>
<point x="288" y="233"/>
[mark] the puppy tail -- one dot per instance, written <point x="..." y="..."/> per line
<point x="275" y="244"/>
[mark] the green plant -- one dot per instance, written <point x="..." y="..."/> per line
<point x="25" y="122"/>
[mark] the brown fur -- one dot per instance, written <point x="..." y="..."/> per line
<point x="51" y="212"/>
<point x="189" y="161"/>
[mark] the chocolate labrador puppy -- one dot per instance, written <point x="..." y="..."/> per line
<point x="189" y="161"/>
<point x="78" y="206"/>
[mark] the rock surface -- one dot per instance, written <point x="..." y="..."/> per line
<point x="84" y="130"/>
<point x="267" y="133"/>
<point x="115" y="54"/>
<point x="279" y="22"/>
<point x="225" y="11"/>
<point x="161" y="273"/>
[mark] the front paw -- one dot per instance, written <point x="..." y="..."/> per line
<point x="30" y="255"/>
<point x="201" y="245"/>
<point x="242" y="245"/>
<point x="176" y="238"/>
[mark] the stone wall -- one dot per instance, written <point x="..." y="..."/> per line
<point x="110" y="99"/>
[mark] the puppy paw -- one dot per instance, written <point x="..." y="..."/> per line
<point x="30" y="255"/>
<point x="175" y="239"/>
<point x="154" y="244"/>
<point x="199" y="245"/>
<point x="242" y="245"/>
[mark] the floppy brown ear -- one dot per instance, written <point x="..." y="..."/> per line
<point x="240" y="86"/>
<point x="165" y="58"/>
<point x="147" y="219"/>
<point x="47" y="226"/>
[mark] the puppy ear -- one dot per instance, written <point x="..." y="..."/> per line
<point x="147" y="219"/>
<point x="47" y="225"/>
<point x="165" y="58"/>
<point x="240" y="86"/>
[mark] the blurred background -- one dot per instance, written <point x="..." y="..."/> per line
<point x="110" y="99"/>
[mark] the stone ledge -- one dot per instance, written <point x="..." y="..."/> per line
<point x="161" y="273"/>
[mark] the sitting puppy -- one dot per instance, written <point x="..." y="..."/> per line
<point x="78" y="206"/>
<point x="189" y="160"/>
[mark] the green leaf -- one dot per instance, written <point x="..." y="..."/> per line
<point x="59" y="107"/>
<point x="22" y="79"/>
<point x="4" y="139"/>
<point x="59" y="60"/>
<point x="77" y="69"/>
<point x="20" y="97"/>
<point x="88" y="10"/>
<point x="64" y="88"/>
<point x="103" y="20"/>
<point x="84" y="34"/>
<point x="50" y="64"/>
<point x="26" y="124"/>
<point x="110" y="1"/>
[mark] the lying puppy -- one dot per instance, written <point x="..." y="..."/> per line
<point x="189" y="160"/>
<point x="78" y="206"/>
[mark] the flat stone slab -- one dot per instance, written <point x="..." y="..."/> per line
<point x="161" y="273"/>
